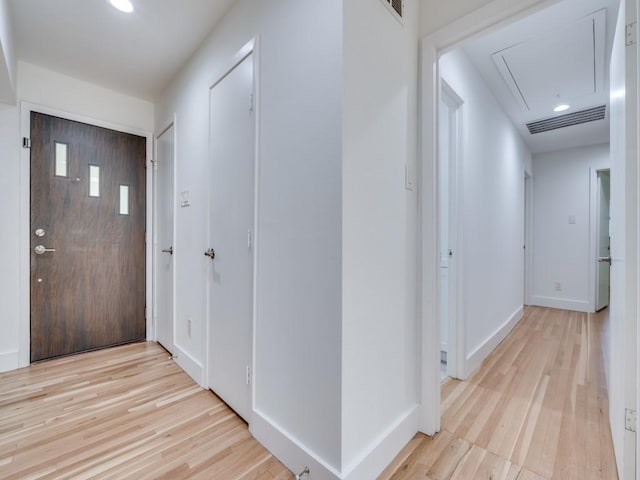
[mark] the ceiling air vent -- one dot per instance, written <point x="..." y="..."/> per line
<point x="567" y="120"/>
<point x="395" y="6"/>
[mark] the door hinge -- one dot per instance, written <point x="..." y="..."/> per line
<point x="251" y="102"/>
<point x="631" y="34"/>
<point x="249" y="239"/>
<point x="248" y="375"/>
<point x="26" y="142"/>
<point x="630" y="419"/>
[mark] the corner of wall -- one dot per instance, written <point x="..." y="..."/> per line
<point x="9" y="361"/>
<point x="289" y="450"/>
<point x="190" y="365"/>
<point x="475" y="358"/>
<point x="384" y="449"/>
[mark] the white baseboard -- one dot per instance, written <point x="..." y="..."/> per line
<point x="9" y="361"/>
<point x="190" y="365"/>
<point x="475" y="358"/>
<point x="286" y="448"/>
<point x="384" y="448"/>
<point x="552" y="302"/>
<point x="373" y="460"/>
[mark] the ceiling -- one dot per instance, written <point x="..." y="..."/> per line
<point x="137" y="54"/>
<point x="557" y="55"/>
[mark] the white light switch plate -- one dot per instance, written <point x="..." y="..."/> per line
<point x="185" y="201"/>
<point x="409" y="177"/>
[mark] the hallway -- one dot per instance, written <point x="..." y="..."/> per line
<point x="536" y="409"/>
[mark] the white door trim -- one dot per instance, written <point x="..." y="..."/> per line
<point x="487" y="18"/>
<point x="25" y="208"/>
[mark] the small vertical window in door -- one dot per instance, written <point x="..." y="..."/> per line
<point x="124" y="199"/>
<point x="94" y="180"/>
<point x="61" y="169"/>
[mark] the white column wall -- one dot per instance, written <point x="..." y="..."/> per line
<point x="297" y="378"/>
<point x="380" y="384"/>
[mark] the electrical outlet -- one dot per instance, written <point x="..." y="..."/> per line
<point x="630" y="419"/>
<point x="189" y="327"/>
<point x="557" y="286"/>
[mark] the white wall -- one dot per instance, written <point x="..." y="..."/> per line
<point x="491" y="205"/>
<point x="297" y="381"/>
<point x="7" y="55"/>
<point x="562" y="251"/>
<point x="50" y="89"/>
<point x="380" y="332"/>
<point x="9" y="237"/>
<point x="54" y="91"/>
<point x="435" y="14"/>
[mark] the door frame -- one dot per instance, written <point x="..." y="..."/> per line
<point x="25" y="209"/>
<point x="172" y="122"/>
<point x="249" y="48"/>
<point x="490" y="17"/>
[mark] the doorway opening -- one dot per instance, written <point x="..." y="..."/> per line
<point x="528" y="230"/>
<point x="602" y="239"/>
<point x="164" y="242"/>
<point x="478" y="343"/>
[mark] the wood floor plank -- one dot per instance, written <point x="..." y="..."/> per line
<point x="122" y="413"/>
<point x="536" y="409"/>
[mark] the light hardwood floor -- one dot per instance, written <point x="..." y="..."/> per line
<point x="536" y="409"/>
<point x="123" y="413"/>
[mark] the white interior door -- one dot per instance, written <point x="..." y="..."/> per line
<point x="164" y="244"/>
<point x="231" y="236"/>
<point x="622" y="376"/>
<point x="602" y="239"/>
<point x="443" y="193"/>
<point x="448" y="165"/>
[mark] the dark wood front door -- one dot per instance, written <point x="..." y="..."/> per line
<point x="87" y="237"/>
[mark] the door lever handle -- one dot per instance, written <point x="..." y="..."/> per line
<point x="168" y="250"/>
<point x="604" y="260"/>
<point x="41" y="249"/>
<point x="211" y="253"/>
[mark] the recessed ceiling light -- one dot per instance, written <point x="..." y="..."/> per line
<point x="122" y="5"/>
<point x="561" y="108"/>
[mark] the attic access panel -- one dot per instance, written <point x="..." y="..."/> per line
<point x="568" y="63"/>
